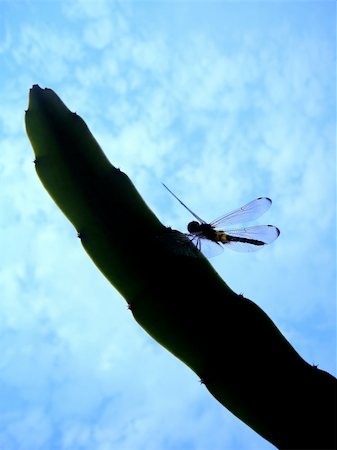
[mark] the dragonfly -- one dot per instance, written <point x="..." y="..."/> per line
<point x="211" y="238"/>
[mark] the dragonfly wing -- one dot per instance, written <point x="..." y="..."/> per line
<point x="251" y="238"/>
<point x="188" y="209"/>
<point x="207" y="247"/>
<point x="246" y="213"/>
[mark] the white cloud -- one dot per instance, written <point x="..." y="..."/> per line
<point x="84" y="10"/>
<point x="98" y="34"/>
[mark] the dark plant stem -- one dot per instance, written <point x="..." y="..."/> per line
<point x="174" y="293"/>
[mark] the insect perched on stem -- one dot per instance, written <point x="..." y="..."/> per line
<point x="210" y="237"/>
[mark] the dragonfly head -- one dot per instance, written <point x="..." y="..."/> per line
<point x="193" y="226"/>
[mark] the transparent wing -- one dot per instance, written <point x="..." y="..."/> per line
<point x="250" y="238"/>
<point x="207" y="247"/>
<point x="188" y="209"/>
<point x="246" y="213"/>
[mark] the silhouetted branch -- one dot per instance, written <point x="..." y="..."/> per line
<point x="174" y="293"/>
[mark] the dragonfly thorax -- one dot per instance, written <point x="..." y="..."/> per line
<point x="204" y="229"/>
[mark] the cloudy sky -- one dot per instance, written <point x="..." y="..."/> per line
<point x="223" y="102"/>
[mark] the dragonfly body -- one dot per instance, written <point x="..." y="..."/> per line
<point x="207" y="231"/>
<point x="208" y="238"/>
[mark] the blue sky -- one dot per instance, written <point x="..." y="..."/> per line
<point x="223" y="102"/>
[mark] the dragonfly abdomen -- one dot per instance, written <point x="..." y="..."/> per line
<point x="226" y="238"/>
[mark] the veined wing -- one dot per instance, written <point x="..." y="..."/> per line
<point x="246" y="213"/>
<point x="250" y="238"/>
<point x="188" y="209"/>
